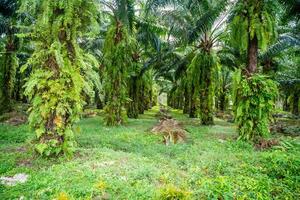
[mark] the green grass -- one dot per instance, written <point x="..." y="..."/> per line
<point x="128" y="162"/>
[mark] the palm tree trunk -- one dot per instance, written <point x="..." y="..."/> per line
<point x="295" y="108"/>
<point x="186" y="101"/>
<point x="252" y="55"/>
<point x="7" y="75"/>
<point x="141" y="99"/>
<point x="192" y="113"/>
<point x="206" y="107"/>
<point x="286" y="103"/>
<point x="222" y="102"/>
<point x="133" y="105"/>
<point x="99" y="103"/>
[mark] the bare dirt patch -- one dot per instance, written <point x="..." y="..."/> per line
<point x="14" y="118"/>
<point x="25" y="162"/>
<point x="266" y="143"/>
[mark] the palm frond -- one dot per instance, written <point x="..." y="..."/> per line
<point x="122" y="10"/>
<point x="206" y="21"/>
<point x="8" y="7"/>
<point x="284" y="42"/>
<point x="148" y="33"/>
<point x="4" y="23"/>
<point x="292" y="9"/>
<point x="153" y="5"/>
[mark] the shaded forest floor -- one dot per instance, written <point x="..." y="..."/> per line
<point x="129" y="162"/>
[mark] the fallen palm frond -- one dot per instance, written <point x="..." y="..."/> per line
<point x="171" y="130"/>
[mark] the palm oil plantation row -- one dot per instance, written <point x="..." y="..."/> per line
<point x="115" y="63"/>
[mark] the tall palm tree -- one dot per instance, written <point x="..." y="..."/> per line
<point x="253" y="27"/>
<point x="280" y="58"/>
<point x="62" y="73"/>
<point x="123" y="59"/>
<point x="289" y="78"/>
<point x="117" y="54"/>
<point x="198" y="24"/>
<point x="8" y="61"/>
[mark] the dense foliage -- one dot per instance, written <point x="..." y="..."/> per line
<point x="61" y="72"/>
<point x="160" y="99"/>
<point x="252" y="28"/>
<point x="254" y="20"/>
<point x="57" y="55"/>
<point x="254" y="101"/>
<point x="8" y="55"/>
<point x="118" y="50"/>
<point x="201" y="74"/>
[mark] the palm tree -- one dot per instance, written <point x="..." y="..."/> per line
<point x="199" y="25"/>
<point x="123" y="60"/>
<point x="285" y="42"/>
<point x="288" y="36"/>
<point x="9" y="61"/>
<point x="253" y="27"/>
<point x="289" y="78"/>
<point x="117" y="58"/>
<point x="280" y="58"/>
<point x="62" y="73"/>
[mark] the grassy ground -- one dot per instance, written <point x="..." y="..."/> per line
<point x="129" y="162"/>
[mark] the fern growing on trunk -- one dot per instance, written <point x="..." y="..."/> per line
<point x="8" y="58"/>
<point x="254" y="100"/>
<point x="253" y="28"/>
<point x="62" y="73"/>
<point x="117" y="59"/>
<point x="9" y="63"/>
<point x="201" y="73"/>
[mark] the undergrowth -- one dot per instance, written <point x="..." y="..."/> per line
<point x="129" y="162"/>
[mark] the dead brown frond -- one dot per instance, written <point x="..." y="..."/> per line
<point x="171" y="130"/>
